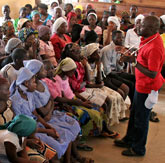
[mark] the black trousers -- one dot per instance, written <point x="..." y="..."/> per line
<point x="125" y="78"/>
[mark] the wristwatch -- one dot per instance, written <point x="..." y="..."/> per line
<point x="134" y="63"/>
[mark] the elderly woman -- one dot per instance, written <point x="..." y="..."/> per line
<point x="59" y="39"/>
<point x="35" y="16"/>
<point x="8" y="31"/>
<point x="113" y="24"/>
<point x="31" y="44"/>
<point x="92" y="19"/>
<point x="46" y="47"/>
<point x="42" y="8"/>
<point x="95" y="67"/>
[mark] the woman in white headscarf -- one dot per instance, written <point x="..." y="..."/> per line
<point x="113" y="24"/>
<point x="59" y="39"/>
<point x="95" y="67"/>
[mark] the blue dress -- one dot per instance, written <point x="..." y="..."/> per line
<point x="58" y="118"/>
<point x="26" y="107"/>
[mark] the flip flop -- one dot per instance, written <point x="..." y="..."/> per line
<point x="84" y="148"/>
<point x="113" y="135"/>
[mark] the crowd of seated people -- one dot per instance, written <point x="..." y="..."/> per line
<point x="62" y="79"/>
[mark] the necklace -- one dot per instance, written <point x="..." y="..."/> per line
<point x="140" y="47"/>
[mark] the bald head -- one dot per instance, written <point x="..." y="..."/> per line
<point x="149" y="26"/>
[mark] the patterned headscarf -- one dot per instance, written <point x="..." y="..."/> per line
<point x="21" y="125"/>
<point x="6" y="25"/>
<point x="33" y="65"/>
<point x="24" y="33"/>
<point x="65" y="65"/>
<point x="21" y="22"/>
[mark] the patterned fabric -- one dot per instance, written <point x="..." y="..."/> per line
<point x="6" y="25"/>
<point x="24" y="33"/>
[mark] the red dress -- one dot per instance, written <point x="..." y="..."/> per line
<point x="59" y="44"/>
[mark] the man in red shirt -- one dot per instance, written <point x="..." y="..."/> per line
<point x="148" y="66"/>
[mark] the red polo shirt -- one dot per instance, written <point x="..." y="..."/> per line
<point x="151" y="56"/>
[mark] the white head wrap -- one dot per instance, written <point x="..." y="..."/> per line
<point x="89" y="49"/>
<point x="140" y="16"/>
<point x="57" y="24"/>
<point x="52" y="1"/>
<point x="92" y="13"/>
<point x="163" y="18"/>
<point x="115" y="20"/>
<point x="12" y="44"/>
<point x="65" y="65"/>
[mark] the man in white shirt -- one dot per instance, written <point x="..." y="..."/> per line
<point x="6" y="14"/>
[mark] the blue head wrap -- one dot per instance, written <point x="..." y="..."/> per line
<point x="21" y="125"/>
<point x="23" y="75"/>
<point x="33" y="65"/>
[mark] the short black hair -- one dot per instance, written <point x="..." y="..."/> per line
<point x="29" y="6"/>
<point x="90" y="36"/>
<point x="18" y="53"/>
<point x="22" y="8"/>
<point x="69" y="5"/>
<point x="43" y="6"/>
<point x="91" y="10"/>
<point x="114" y="33"/>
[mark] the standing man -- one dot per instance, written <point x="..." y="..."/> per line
<point x="149" y="80"/>
<point x="133" y="13"/>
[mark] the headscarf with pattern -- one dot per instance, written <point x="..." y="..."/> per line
<point x="24" y="33"/>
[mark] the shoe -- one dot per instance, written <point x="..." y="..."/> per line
<point x="122" y="143"/>
<point x="129" y="152"/>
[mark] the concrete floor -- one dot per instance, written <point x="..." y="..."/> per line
<point x="105" y="152"/>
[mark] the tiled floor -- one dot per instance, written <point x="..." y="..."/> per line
<point x="105" y="152"/>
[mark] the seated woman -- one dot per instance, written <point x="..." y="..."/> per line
<point x="7" y="115"/>
<point x="30" y="43"/>
<point x="35" y="16"/>
<point x="125" y="22"/>
<point x="45" y="104"/>
<point x="113" y="24"/>
<point x="95" y="71"/>
<point x="74" y="29"/>
<point x="53" y="4"/>
<point x="46" y="47"/>
<point x="56" y="13"/>
<point x="59" y="39"/>
<point x="12" y="44"/>
<point x="10" y="71"/>
<point x="8" y="31"/>
<point x="92" y="19"/>
<point x="42" y="8"/>
<point x="78" y="10"/>
<point x="23" y="22"/>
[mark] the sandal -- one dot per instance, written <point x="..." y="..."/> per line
<point x="123" y="119"/>
<point x="84" y="148"/>
<point x="113" y="135"/>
